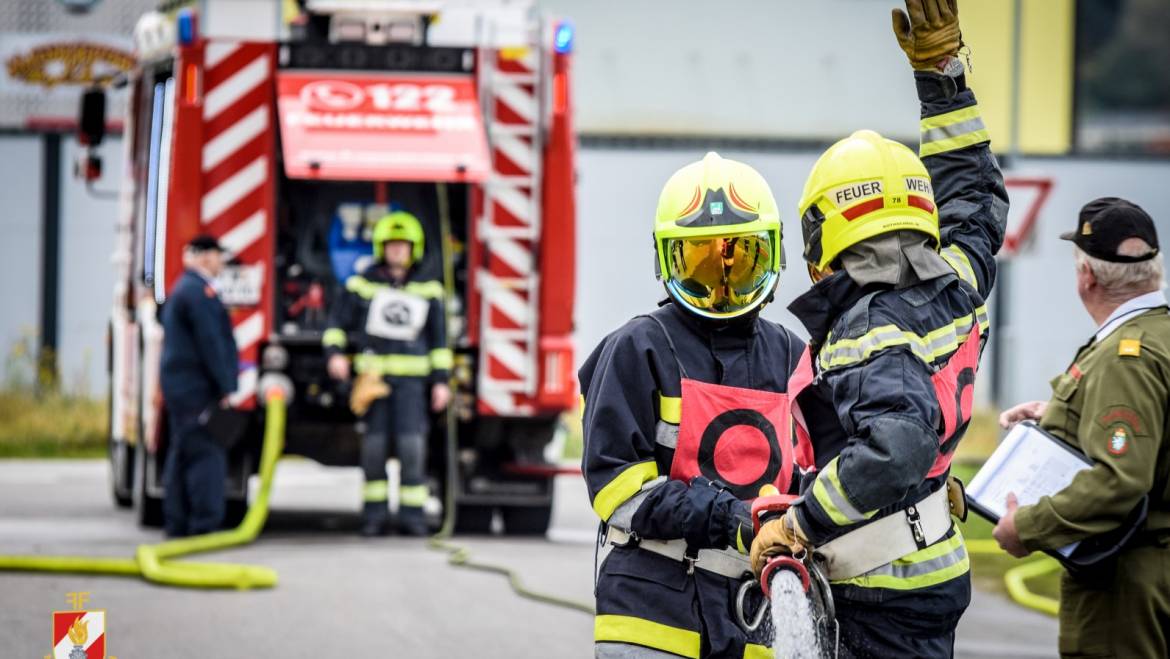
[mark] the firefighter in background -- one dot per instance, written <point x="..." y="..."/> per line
<point x="394" y="323"/>
<point x="686" y="418"/>
<point x="197" y="374"/>
<point x="896" y="326"/>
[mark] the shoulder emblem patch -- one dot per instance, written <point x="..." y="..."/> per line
<point x="1130" y="348"/>
<point x="1118" y="440"/>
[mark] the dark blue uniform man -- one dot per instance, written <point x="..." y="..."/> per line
<point x="199" y="366"/>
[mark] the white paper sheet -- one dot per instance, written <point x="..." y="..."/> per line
<point x="1029" y="463"/>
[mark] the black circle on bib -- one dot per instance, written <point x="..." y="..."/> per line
<point x="714" y="432"/>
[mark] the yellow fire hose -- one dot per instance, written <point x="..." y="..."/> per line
<point x="458" y="555"/>
<point x="1015" y="579"/>
<point x="156" y="562"/>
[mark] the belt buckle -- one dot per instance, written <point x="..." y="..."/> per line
<point x="915" y="522"/>
<point x="691" y="558"/>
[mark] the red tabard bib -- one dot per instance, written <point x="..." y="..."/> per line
<point x="740" y="437"/>
<point x="954" y="389"/>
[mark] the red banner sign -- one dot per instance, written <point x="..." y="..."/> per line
<point x="389" y="127"/>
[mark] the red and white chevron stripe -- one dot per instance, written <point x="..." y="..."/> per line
<point x="237" y="170"/>
<point x="509" y="227"/>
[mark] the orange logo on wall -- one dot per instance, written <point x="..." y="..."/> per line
<point x="79" y="63"/>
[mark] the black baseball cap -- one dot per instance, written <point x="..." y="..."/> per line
<point x="204" y="243"/>
<point x="1107" y="222"/>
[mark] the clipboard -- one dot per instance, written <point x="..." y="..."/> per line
<point x="1034" y="463"/>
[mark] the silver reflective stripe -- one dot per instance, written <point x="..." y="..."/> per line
<point x="953" y="130"/>
<point x="623" y="516"/>
<point x="666" y="434"/>
<point x="919" y="569"/>
<point x="842" y="504"/>
<point x="611" y="650"/>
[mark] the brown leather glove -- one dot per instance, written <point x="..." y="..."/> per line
<point x="367" y="388"/>
<point x="780" y="536"/>
<point x="930" y="34"/>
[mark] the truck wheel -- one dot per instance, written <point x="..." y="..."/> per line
<point x="473" y="519"/>
<point x="148" y="509"/>
<point x="121" y="473"/>
<point x="527" y="520"/>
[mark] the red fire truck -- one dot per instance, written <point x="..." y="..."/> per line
<point x="288" y="148"/>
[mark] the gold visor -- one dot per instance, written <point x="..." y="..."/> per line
<point x="720" y="276"/>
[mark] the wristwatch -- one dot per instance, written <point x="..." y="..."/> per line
<point x="949" y="80"/>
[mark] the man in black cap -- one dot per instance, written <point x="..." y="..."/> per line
<point x="198" y="373"/>
<point x="1113" y="403"/>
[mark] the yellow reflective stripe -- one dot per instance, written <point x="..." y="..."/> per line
<point x="414" y="496"/>
<point x="442" y="358"/>
<point x="929" y="347"/>
<point x="333" y="337"/>
<point x="829" y="493"/>
<point x="937" y="563"/>
<point x="622" y="487"/>
<point x="367" y="289"/>
<point x="950" y="118"/>
<point x="954" y="143"/>
<point x="402" y="365"/>
<point x="628" y="629"/>
<point x="426" y="289"/>
<point x="753" y="651"/>
<point x="957" y="259"/>
<point x="952" y="130"/>
<point x="363" y="287"/>
<point x="669" y="409"/>
<point x="375" y="491"/>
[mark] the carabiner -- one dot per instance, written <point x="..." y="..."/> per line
<point x="740" y="600"/>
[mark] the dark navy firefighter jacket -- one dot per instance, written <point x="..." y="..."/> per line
<point x="199" y="357"/>
<point x="875" y="421"/>
<point x="632" y="386"/>
<point x="395" y="329"/>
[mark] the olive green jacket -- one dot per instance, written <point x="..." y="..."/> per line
<point x="1112" y="403"/>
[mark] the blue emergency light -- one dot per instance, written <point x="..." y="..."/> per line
<point x="186" y="27"/>
<point x="563" y="38"/>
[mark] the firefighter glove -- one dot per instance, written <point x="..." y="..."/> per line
<point x="779" y="536"/>
<point x="368" y="388"/>
<point x="930" y="34"/>
<point x="710" y="515"/>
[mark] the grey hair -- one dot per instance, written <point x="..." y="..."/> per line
<point x="1125" y="280"/>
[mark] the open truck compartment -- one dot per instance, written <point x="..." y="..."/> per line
<point x="288" y="150"/>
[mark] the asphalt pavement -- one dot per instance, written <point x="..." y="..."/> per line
<point x="339" y="595"/>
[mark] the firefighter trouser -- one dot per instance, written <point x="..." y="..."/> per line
<point x="194" y="477"/>
<point x="906" y="627"/>
<point x="648" y="607"/>
<point x="403" y="416"/>
<point x="1121" y="608"/>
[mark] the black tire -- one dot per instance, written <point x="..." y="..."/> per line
<point x="473" y="519"/>
<point x="148" y="509"/>
<point x="527" y="520"/>
<point x="233" y="513"/>
<point x="121" y="474"/>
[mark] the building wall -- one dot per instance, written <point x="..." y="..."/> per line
<point x="20" y="228"/>
<point x="86" y="277"/>
<point x="1045" y="323"/>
